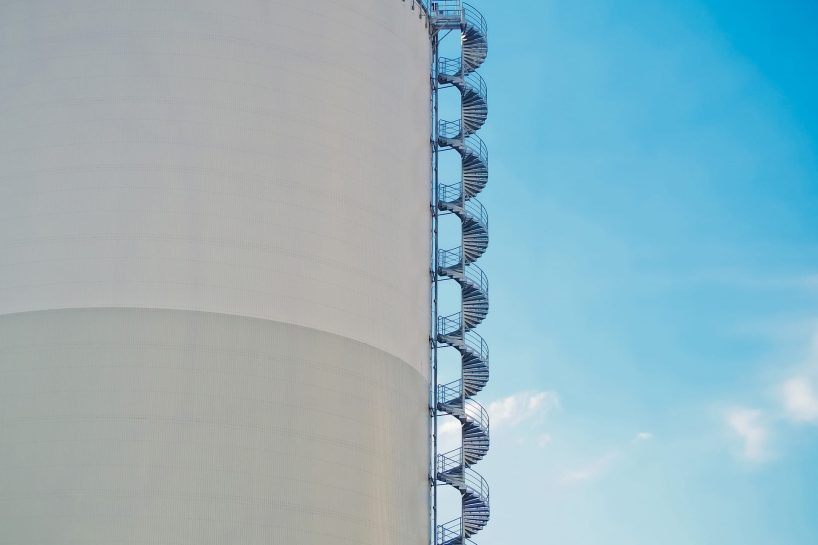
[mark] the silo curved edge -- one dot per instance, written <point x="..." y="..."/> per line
<point x="161" y="426"/>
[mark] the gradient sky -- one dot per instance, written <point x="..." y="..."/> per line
<point x="654" y="268"/>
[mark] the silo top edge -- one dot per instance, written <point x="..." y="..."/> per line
<point x="420" y="5"/>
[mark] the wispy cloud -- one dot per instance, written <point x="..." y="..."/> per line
<point x="515" y="409"/>
<point x="508" y="412"/>
<point x="800" y="400"/>
<point x="642" y="436"/>
<point x="794" y="397"/>
<point x="749" y="427"/>
<point x="593" y="470"/>
<point x="798" y="394"/>
<point x="604" y="464"/>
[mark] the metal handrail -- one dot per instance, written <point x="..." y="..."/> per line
<point x="448" y="10"/>
<point x="447" y="394"/>
<point x="452" y="325"/>
<point x="451" y="259"/>
<point x="472" y="17"/>
<point x="478" y="212"/>
<point x="454" y="68"/>
<point x="453" y="462"/>
<point x="452" y="130"/>
<point x="449" y="129"/>
<point x="450" y="531"/>
<point x="450" y="460"/>
<point x="453" y="194"/>
<point x="457" y="12"/>
<point x="477" y="345"/>
<point x="445" y="533"/>
<point x="449" y="326"/>
<point x="449" y="67"/>
<point x="477" y="414"/>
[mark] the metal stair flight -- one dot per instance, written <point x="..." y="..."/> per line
<point x="454" y="468"/>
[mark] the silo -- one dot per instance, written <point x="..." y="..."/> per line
<point x="214" y="272"/>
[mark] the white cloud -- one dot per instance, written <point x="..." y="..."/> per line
<point x="507" y="412"/>
<point x="602" y="465"/>
<point x="593" y="470"/>
<point x="748" y="425"/>
<point x="449" y="429"/>
<point x="798" y="394"/>
<point x="513" y="410"/>
<point x="800" y="399"/>
<point x="795" y="396"/>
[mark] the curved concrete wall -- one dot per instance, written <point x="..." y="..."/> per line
<point x="213" y="272"/>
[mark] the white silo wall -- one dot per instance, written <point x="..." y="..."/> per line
<point x="214" y="282"/>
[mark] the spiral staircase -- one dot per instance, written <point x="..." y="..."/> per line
<point x="456" y="399"/>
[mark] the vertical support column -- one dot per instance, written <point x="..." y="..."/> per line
<point x="435" y="198"/>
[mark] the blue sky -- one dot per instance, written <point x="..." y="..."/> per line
<point x="654" y="268"/>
